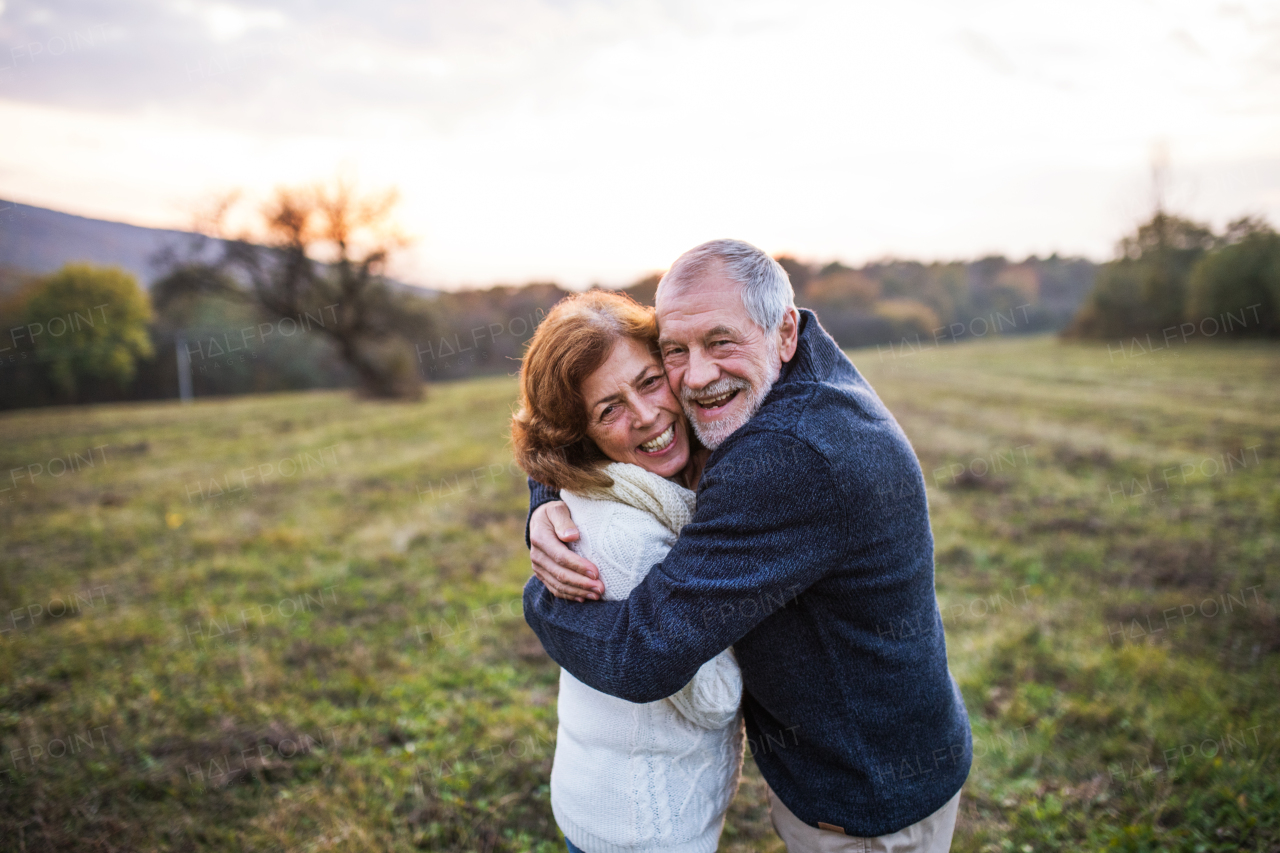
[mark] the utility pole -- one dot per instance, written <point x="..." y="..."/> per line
<point x="184" y="368"/>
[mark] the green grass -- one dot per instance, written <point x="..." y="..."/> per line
<point x="333" y="658"/>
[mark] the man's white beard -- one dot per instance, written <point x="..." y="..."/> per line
<point x="713" y="434"/>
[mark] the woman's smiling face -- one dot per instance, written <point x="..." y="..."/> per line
<point x="632" y="416"/>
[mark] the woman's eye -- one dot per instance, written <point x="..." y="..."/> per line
<point x="650" y="382"/>
<point x="608" y="412"/>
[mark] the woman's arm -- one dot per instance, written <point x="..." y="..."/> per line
<point x="712" y="697"/>
<point x="626" y="542"/>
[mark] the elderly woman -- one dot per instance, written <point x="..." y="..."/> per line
<point x="599" y="422"/>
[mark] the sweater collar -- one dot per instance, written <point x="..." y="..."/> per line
<point x="817" y="353"/>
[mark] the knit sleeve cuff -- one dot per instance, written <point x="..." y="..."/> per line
<point x="538" y="495"/>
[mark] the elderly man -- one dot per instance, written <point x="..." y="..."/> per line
<point x="810" y="553"/>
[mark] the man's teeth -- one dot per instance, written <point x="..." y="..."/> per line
<point x="712" y="402"/>
<point x="661" y="442"/>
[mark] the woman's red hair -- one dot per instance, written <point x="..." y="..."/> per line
<point x="549" y="432"/>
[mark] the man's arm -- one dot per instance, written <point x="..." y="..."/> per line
<point x="547" y="529"/>
<point x="769" y="523"/>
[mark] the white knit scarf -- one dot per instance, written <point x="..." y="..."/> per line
<point x="666" y="501"/>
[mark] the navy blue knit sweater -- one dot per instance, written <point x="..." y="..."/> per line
<point x="810" y="553"/>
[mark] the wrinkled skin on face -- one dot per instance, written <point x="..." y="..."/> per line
<point x="718" y="361"/>
<point x="632" y="414"/>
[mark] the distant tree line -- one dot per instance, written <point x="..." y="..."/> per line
<point x="91" y="334"/>
<point x="303" y="301"/>
<point x="1173" y="274"/>
<point x="267" y="316"/>
<point x="483" y="331"/>
<point x="907" y="303"/>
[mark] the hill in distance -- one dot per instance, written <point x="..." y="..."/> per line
<point x="38" y="240"/>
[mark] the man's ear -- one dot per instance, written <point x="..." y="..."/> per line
<point x="789" y="334"/>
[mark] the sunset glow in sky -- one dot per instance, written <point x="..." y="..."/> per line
<point x="594" y="141"/>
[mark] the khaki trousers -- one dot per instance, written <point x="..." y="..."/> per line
<point x="931" y="835"/>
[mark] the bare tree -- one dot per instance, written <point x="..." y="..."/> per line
<point x="320" y="253"/>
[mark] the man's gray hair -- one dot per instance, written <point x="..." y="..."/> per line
<point x="766" y="289"/>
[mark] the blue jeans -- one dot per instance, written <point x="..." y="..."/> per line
<point x="569" y="843"/>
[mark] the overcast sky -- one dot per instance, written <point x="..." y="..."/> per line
<point x="594" y="141"/>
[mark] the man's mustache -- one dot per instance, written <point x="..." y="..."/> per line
<point x="721" y="386"/>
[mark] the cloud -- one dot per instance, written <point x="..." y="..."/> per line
<point x="1183" y="39"/>
<point x="981" y="48"/>
<point x="307" y="67"/>
<point x="583" y="138"/>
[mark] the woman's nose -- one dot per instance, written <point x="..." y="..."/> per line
<point x="645" y="412"/>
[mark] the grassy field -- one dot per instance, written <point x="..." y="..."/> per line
<point x="293" y="622"/>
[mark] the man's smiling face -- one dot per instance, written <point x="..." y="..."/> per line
<point x="720" y="363"/>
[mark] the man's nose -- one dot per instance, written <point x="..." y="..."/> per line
<point x="700" y="372"/>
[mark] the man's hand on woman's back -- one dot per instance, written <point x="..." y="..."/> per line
<point x="564" y="573"/>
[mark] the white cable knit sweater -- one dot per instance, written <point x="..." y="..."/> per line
<point x="656" y="776"/>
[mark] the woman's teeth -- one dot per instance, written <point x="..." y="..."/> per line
<point x="661" y="442"/>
